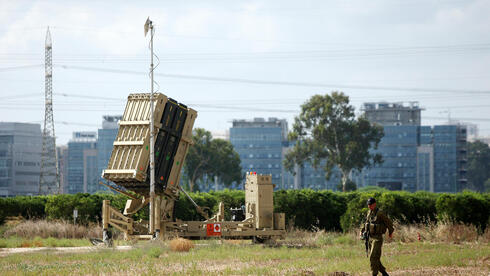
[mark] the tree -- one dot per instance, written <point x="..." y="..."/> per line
<point x="327" y="129"/>
<point x="487" y="186"/>
<point x="349" y="186"/>
<point x="211" y="157"/>
<point x="478" y="165"/>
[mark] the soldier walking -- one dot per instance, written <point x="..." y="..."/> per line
<point x="376" y="225"/>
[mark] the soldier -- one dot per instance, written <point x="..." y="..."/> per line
<point x="376" y="224"/>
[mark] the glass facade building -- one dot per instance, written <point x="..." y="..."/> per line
<point x="81" y="156"/>
<point x="416" y="157"/>
<point x="449" y="158"/>
<point x="260" y="146"/>
<point x="105" y="142"/>
<point x="20" y="158"/>
<point x="399" y="150"/>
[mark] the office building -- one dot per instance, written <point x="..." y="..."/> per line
<point x="260" y="143"/>
<point x="393" y="114"/>
<point x="398" y="148"/>
<point x="20" y="158"/>
<point x="449" y="158"/>
<point x="82" y="174"/>
<point x="62" y="152"/>
<point x="105" y="141"/>
<point x="415" y="157"/>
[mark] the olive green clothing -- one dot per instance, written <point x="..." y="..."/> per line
<point x="376" y="224"/>
<point x="375" y="256"/>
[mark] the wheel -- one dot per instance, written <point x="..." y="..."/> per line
<point x="107" y="238"/>
<point x="260" y="240"/>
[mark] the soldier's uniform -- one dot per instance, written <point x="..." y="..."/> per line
<point x="377" y="223"/>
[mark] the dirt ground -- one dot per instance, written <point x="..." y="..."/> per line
<point x="80" y="249"/>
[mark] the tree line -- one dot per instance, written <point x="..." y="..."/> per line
<point x="304" y="209"/>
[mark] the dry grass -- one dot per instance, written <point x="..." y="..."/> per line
<point x="181" y="245"/>
<point x="296" y="238"/>
<point x="439" y="232"/>
<point x="442" y="232"/>
<point x="58" y="230"/>
<point x="33" y="243"/>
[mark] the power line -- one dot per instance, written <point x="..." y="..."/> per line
<point x="281" y="56"/>
<point x="96" y="101"/>
<point x="272" y="82"/>
<point x="227" y="109"/>
<point x="90" y="97"/>
<point x="5" y="69"/>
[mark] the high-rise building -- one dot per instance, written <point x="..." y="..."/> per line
<point x="416" y="157"/>
<point x="260" y="143"/>
<point x="393" y="114"/>
<point x="63" y="167"/>
<point x="425" y="160"/>
<point x="20" y="157"/>
<point x="82" y="162"/>
<point x="105" y="141"/>
<point x="399" y="150"/>
<point x="449" y="158"/>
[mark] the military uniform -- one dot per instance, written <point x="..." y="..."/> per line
<point x="376" y="224"/>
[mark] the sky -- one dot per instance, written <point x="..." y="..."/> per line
<point x="245" y="59"/>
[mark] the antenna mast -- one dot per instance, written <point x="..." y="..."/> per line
<point x="149" y="27"/>
<point x="49" y="180"/>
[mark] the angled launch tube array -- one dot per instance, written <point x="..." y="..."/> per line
<point x="129" y="162"/>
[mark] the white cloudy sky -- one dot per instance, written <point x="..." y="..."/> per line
<point x="244" y="59"/>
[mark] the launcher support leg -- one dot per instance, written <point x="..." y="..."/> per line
<point x="105" y="214"/>
<point x="106" y="235"/>
<point x="152" y="213"/>
<point x="157" y="215"/>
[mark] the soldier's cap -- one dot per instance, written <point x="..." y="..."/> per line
<point x="371" y="200"/>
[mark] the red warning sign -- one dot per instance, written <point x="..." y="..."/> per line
<point x="213" y="229"/>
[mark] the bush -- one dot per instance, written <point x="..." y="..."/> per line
<point x="309" y="209"/>
<point x="29" y="207"/>
<point x="304" y="209"/>
<point x="401" y="206"/>
<point x="466" y="207"/>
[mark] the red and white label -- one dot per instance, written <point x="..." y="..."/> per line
<point x="213" y="229"/>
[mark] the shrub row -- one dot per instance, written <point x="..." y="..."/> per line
<point x="305" y="209"/>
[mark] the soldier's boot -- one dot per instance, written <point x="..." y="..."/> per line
<point x="384" y="273"/>
<point x="375" y="273"/>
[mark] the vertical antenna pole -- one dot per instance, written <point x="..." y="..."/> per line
<point x="152" y="137"/>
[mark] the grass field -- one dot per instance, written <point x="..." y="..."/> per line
<point x="425" y="249"/>
<point x="325" y="255"/>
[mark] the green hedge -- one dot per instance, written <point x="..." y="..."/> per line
<point x="305" y="209"/>
<point x="402" y="206"/>
<point x="30" y="207"/>
<point x="466" y="207"/>
<point x="308" y="209"/>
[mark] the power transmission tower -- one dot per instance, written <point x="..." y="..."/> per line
<point x="49" y="180"/>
